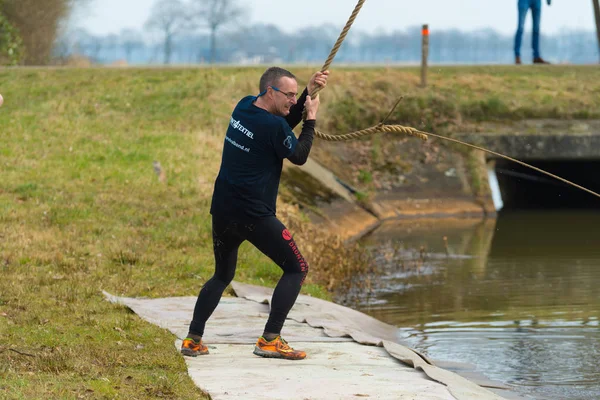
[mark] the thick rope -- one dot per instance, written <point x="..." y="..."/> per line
<point x="381" y="127"/>
<point x="339" y="42"/>
<point x="424" y="136"/>
<point x="336" y="47"/>
<point x="514" y="160"/>
<point x="371" y="131"/>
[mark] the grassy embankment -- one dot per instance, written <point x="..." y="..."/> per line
<point x="82" y="210"/>
<point x="457" y="100"/>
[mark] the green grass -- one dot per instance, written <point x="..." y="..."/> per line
<point x="365" y="176"/>
<point x="81" y="209"/>
<point x="457" y="98"/>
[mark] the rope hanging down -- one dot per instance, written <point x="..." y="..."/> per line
<point x="339" y="42"/>
<point x="382" y="127"/>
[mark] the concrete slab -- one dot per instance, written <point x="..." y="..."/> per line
<point x="343" y="371"/>
<point x="349" y="353"/>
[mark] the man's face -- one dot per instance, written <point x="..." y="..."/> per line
<point x="284" y="95"/>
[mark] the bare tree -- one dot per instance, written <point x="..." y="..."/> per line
<point x="131" y="40"/>
<point x="213" y="15"/>
<point x="110" y="43"/>
<point x="167" y="17"/>
<point x="87" y="44"/>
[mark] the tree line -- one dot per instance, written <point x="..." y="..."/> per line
<point x="264" y="43"/>
<point x="34" y="32"/>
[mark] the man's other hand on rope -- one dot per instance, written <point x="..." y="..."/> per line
<point x="311" y="106"/>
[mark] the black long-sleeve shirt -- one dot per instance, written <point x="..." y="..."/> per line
<point x="306" y="137"/>
<point x="256" y="143"/>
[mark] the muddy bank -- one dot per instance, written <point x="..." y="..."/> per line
<point x="350" y="188"/>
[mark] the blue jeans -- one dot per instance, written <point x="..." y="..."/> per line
<point x="536" y="12"/>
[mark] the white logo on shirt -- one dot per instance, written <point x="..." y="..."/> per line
<point x="236" y="144"/>
<point x="288" y="142"/>
<point x="237" y="125"/>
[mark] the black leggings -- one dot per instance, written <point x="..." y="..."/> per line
<point x="271" y="237"/>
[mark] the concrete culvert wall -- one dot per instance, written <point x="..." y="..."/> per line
<point x="524" y="188"/>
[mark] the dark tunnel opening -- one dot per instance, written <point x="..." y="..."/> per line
<point x="524" y="188"/>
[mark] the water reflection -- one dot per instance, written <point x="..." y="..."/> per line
<point x="518" y="297"/>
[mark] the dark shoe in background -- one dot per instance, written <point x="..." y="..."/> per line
<point x="540" y="60"/>
<point x="517" y="60"/>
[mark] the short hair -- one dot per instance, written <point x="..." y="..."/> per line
<point x="272" y="76"/>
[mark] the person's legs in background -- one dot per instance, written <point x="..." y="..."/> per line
<point x="536" y="12"/>
<point x="523" y="7"/>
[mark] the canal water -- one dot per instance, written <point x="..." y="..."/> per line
<point x="517" y="297"/>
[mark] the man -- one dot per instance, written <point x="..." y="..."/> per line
<point x="259" y="137"/>
<point x="536" y="13"/>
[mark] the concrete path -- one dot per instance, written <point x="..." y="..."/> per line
<point x="350" y="355"/>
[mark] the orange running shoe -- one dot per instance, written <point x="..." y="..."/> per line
<point x="191" y="348"/>
<point x="277" y="348"/>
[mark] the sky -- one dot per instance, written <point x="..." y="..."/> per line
<point x="111" y="16"/>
